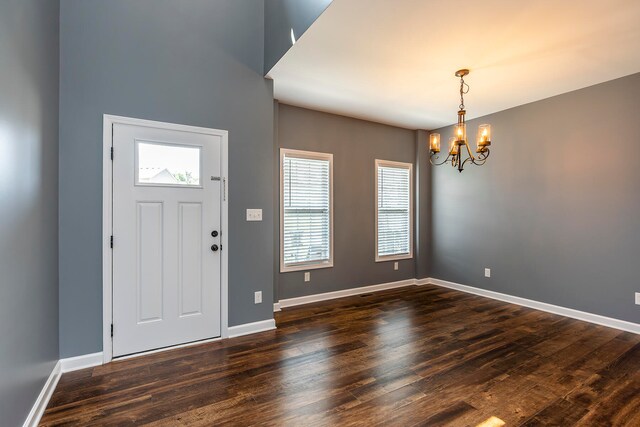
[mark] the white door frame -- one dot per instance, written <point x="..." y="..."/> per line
<point x="107" y="222"/>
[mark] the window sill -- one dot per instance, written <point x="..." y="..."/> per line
<point x="393" y="257"/>
<point x="301" y="267"/>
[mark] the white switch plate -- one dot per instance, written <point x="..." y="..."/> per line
<point x="257" y="297"/>
<point x="487" y="272"/>
<point x="395" y="265"/>
<point x="254" y="214"/>
<point x="638" y="298"/>
<point x="307" y="276"/>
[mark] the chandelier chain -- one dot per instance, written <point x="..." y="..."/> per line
<point x="464" y="89"/>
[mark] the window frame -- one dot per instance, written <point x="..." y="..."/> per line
<point x="402" y="165"/>
<point x="313" y="155"/>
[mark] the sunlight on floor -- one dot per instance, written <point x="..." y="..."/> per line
<point x="491" y="422"/>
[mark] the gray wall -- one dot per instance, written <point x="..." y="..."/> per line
<point x="280" y="16"/>
<point x="28" y="202"/>
<point x="355" y="145"/>
<point x="555" y="213"/>
<point x="195" y="62"/>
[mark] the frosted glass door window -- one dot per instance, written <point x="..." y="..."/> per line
<point x="167" y="165"/>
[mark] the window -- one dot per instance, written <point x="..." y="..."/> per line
<point x="394" y="210"/>
<point x="167" y="164"/>
<point x="306" y="210"/>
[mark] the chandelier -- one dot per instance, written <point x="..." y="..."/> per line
<point x="459" y="152"/>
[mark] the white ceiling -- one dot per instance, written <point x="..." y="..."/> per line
<point x="392" y="61"/>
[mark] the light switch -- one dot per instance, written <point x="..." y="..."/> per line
<point x="395" y="265"/>
<point x="254" y="214"/>
<point x="307" y="276"/>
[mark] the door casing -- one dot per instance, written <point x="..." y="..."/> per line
<point x="107" y="224"/>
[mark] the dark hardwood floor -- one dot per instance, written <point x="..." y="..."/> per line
<point x="412" y="356"/>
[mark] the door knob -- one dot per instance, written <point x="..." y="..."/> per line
<point x="214" y="248"/>
<point x="214" y="233"/>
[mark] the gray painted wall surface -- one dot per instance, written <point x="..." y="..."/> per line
<point x="28" y="202"/>
<point x="355" y="145"/>
<point x="280" y="16"/>
<point x="195" y="62"/>
<point x="555" y="213"/>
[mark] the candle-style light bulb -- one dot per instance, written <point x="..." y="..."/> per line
<point x="453" y="146"/>
<point x="434" y="142"/>
<point x="484" y="138"/>
<point x="460" y="132"/>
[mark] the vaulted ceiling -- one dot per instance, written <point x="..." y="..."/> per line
<point x="393" y="61"/>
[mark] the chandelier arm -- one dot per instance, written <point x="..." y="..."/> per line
<point x="482" y="158"/>
<point x="465" y="162"/>
<point x="434" y="156"/>
<point x="471" y="156"/>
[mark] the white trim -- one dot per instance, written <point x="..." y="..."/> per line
<point x="107" y="221"/>
<point x="224" y="239"/>
<point x="543" y="306"/>
<point x="400" y="165"/>
<point x="276" y="307"/>
<point x="107" y="228"/>
<point x="306" y="155"/>
<point x="290" y="302"/>
<point x="252" y="328"/>
<point x="37" y="410"/>
<point x="76" y="363"/>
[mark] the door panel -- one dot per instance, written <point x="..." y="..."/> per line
<point x="190" y="264"/>
<point x="150" y="262"/>
<point x="166" y="202"/>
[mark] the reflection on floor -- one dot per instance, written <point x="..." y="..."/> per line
<point x="417" y="355"/>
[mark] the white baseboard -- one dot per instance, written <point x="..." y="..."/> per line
<point x="43" y="398"/>
<point x="543" y="306"/>
<point x="81" y="362"/>
<point x="290" y="302"/>
<point x="252" y="328"/>
<point x="277" y="307"/>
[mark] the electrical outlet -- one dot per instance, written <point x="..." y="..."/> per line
<point x="638" y="298"/>
<point x="257" y="297"/>
<point x="254" y="214"/>
<point x="307" y="276"/>
<point x="395" y="265"/>
<point x="487" y="272"/>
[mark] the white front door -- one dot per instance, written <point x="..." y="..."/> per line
<point x="166" y="237"/>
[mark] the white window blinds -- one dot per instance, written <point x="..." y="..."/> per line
<point x="393" y="210"/>
<point x="306" y="210"/>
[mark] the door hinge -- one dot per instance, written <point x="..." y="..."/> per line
<point x="112" y="330"/>
<point x="111" y="153"/>
<point x="111" y="242"/>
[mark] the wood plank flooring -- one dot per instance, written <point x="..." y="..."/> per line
<point x="420" y="355"/>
